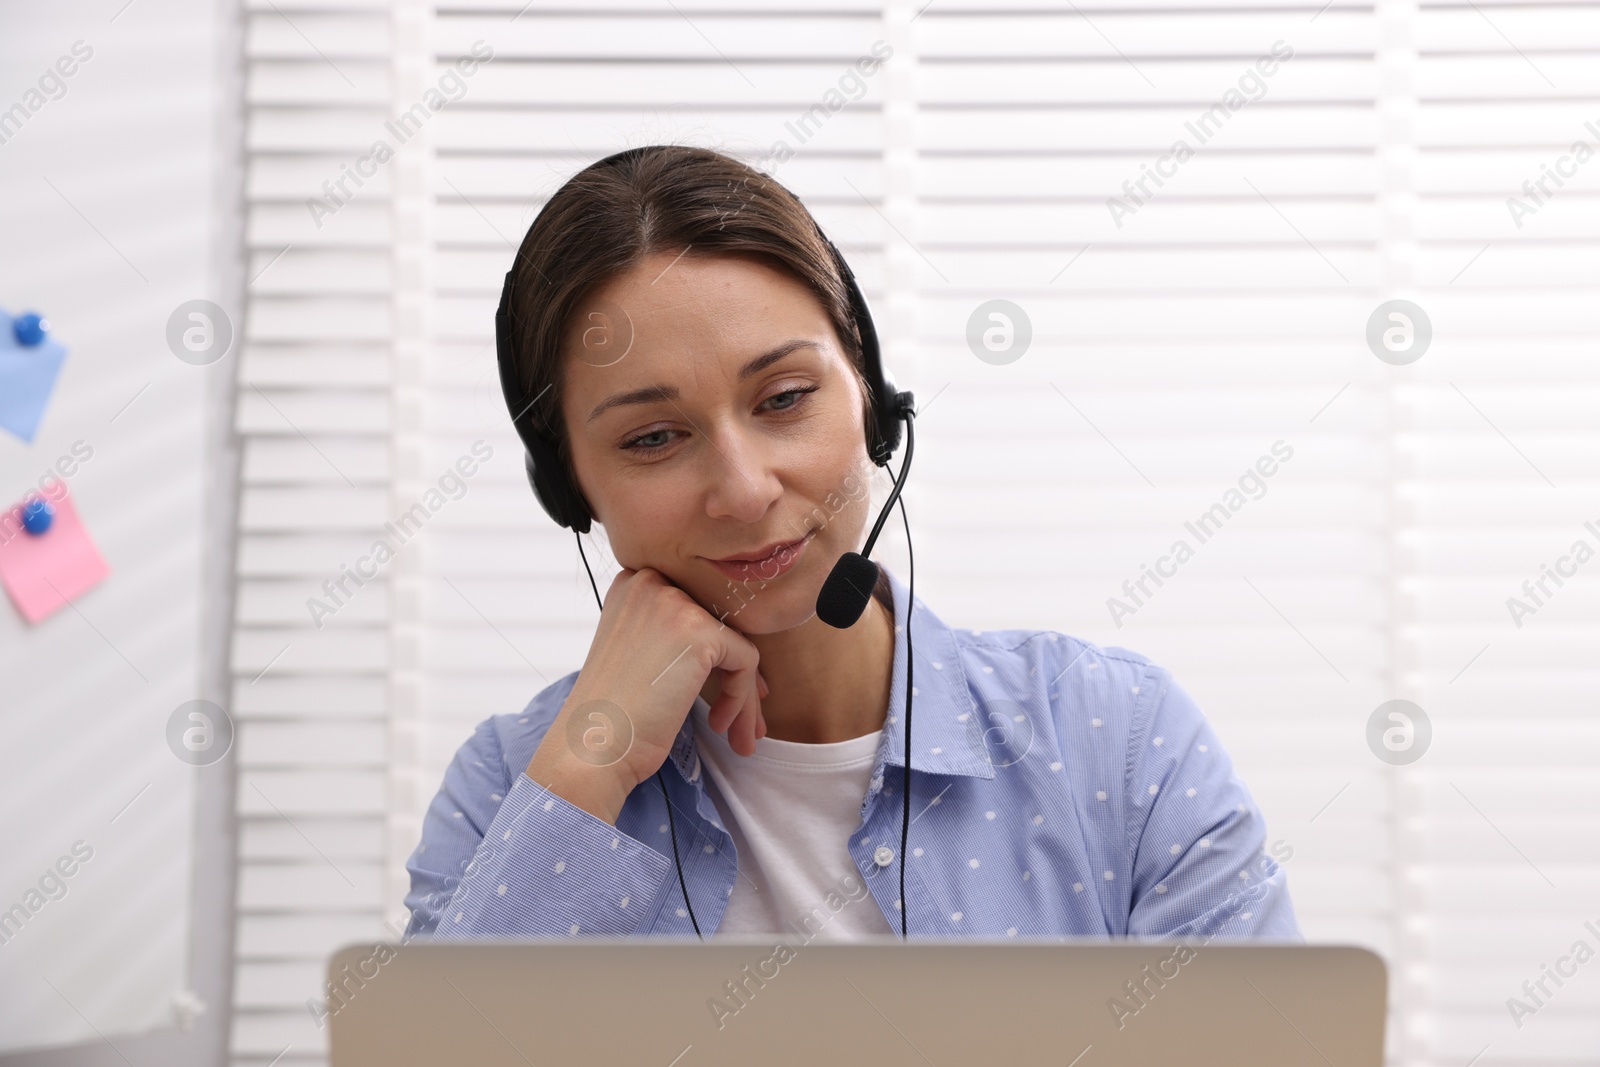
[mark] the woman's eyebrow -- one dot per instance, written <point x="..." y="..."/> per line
<point x="652" y="394"/>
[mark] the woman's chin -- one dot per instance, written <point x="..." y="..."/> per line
<point x="767" y="611"/>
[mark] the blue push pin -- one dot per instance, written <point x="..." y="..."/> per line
<point x="30" y="329"/>
<point x="37" y="515"/>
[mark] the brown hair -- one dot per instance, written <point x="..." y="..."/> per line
<point x="659" y="198"/>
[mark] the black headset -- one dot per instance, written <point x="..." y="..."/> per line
<point x="844" y="595"/>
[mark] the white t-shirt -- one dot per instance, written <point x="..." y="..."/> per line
<point x="791" y="809"/>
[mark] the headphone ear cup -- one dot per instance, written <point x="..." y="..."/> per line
<point x="883" y="434"/>
<point x="890" y="431"/>
<point x="885" y="438"/>
<point x="559" y="498"/>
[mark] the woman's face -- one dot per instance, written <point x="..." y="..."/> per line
<point x="711" y="414"/>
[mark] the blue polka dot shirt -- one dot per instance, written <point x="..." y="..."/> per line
<point x="1058" y="789"/>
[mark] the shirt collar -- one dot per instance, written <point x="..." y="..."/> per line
<point x="945" y="733"/>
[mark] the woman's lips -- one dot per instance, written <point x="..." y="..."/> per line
<point x="777" y="563"/>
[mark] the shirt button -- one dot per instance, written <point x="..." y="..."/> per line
<point x="883" y="856"/>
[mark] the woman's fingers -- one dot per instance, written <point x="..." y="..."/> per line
<point x="725" y="713"/>
<point x="740" y="688"/>
<point x="743" y="722"/>
<point x="729" y="707"/>
<point x="742" y="734"/>
<point x="719" y="711"/>
<point x="761" y="724"/>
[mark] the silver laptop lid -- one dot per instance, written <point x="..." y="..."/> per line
<point x="769" y="1001"/>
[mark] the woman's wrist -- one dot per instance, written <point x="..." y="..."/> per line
<point x="597" y="790"/>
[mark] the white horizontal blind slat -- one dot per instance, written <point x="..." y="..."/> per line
<point x="316" y="418"/>
<point x="1498" y="479"/>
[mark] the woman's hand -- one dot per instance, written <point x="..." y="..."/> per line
<point x="652" y="653"/>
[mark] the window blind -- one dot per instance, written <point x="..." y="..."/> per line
<point x="1186" y="334"/>
<point x="316" y="415"/>
<point x="1498" y="441"/>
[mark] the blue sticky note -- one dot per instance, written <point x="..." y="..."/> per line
<point x="27" y="377"/>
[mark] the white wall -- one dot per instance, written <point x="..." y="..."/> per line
<point x="106" y="212"/>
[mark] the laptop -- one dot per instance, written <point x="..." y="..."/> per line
<point x="764" y="1000"/>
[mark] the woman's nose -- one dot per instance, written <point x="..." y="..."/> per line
<point x="744" y="484"/>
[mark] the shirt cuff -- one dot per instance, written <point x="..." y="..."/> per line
<point x="547" y="867"/>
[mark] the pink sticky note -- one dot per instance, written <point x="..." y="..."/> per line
<point x="40" y="570"/>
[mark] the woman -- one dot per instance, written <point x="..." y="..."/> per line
<point x="689" y="342"/>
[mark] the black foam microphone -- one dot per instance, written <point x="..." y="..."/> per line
<point x="845" y="594"/>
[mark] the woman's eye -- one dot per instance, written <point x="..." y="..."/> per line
<point x="797" y="394"/>
<point x="641" y="443"/>
<point x="662" y="439"/>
